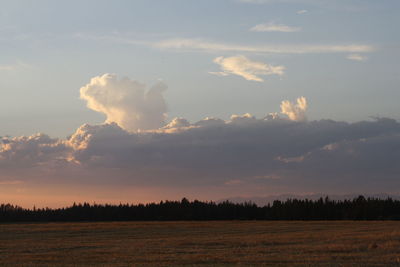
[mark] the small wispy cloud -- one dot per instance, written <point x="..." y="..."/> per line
<point x="14" y="66"/>
<point x="210" y="46"/>
<point x="219" y="73"/>
<point x="273" y="27"/>
<point x="6" y="67"/>
<point x="246" y="68"/>
<point x="357" y="57"/>
<point x="303" y="11"/>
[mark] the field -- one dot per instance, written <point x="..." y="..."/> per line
<point x="224" y="243"/>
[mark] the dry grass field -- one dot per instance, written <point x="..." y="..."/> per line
<point x="225" y="243"/>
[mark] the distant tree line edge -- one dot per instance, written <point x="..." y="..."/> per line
<point x="359" y="208"/>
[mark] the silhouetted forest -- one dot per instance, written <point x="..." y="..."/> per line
<point x="360" y="208"/>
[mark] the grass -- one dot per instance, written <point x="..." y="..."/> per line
<point x="224" y="243"/>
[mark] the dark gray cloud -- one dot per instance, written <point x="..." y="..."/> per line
<point x="318" y="155"/>
<point x="30" y="151"/>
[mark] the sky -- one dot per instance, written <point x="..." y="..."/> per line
<point x="137" y="101"/>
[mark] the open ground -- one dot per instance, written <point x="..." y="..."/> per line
<point x="211" y="243"/>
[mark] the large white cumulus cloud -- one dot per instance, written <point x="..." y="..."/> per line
<point x="126" y="102"/>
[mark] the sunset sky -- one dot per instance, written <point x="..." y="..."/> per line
<point x="144" y="100"/>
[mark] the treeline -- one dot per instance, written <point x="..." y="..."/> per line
<point x="360" y="208"/>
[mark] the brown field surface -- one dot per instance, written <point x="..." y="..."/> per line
<point x="223" y="243"/>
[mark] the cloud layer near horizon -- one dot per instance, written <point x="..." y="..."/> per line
<point x="274" y="153"/>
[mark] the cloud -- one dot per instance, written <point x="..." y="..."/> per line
<point x="210" y="46"/>
<point x="221" y="149"/>
<point x="315" y="155"/>
<point x="272" y="27"/>
<point x="357" y="57"/>
<point x="268" y="155"/>
<point x="303" y="11"/>
<point x="16" y="66"/>
<point x="7" y="67"/>
<point x="30" y="151"/>
<point x="219" y="73"/>
<point x="295" y="111"/>
<point x="244" y="67"/>
<point x="177" y="123"/>
<point x="342" y="5"/>
<point x="126" y="102"/>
